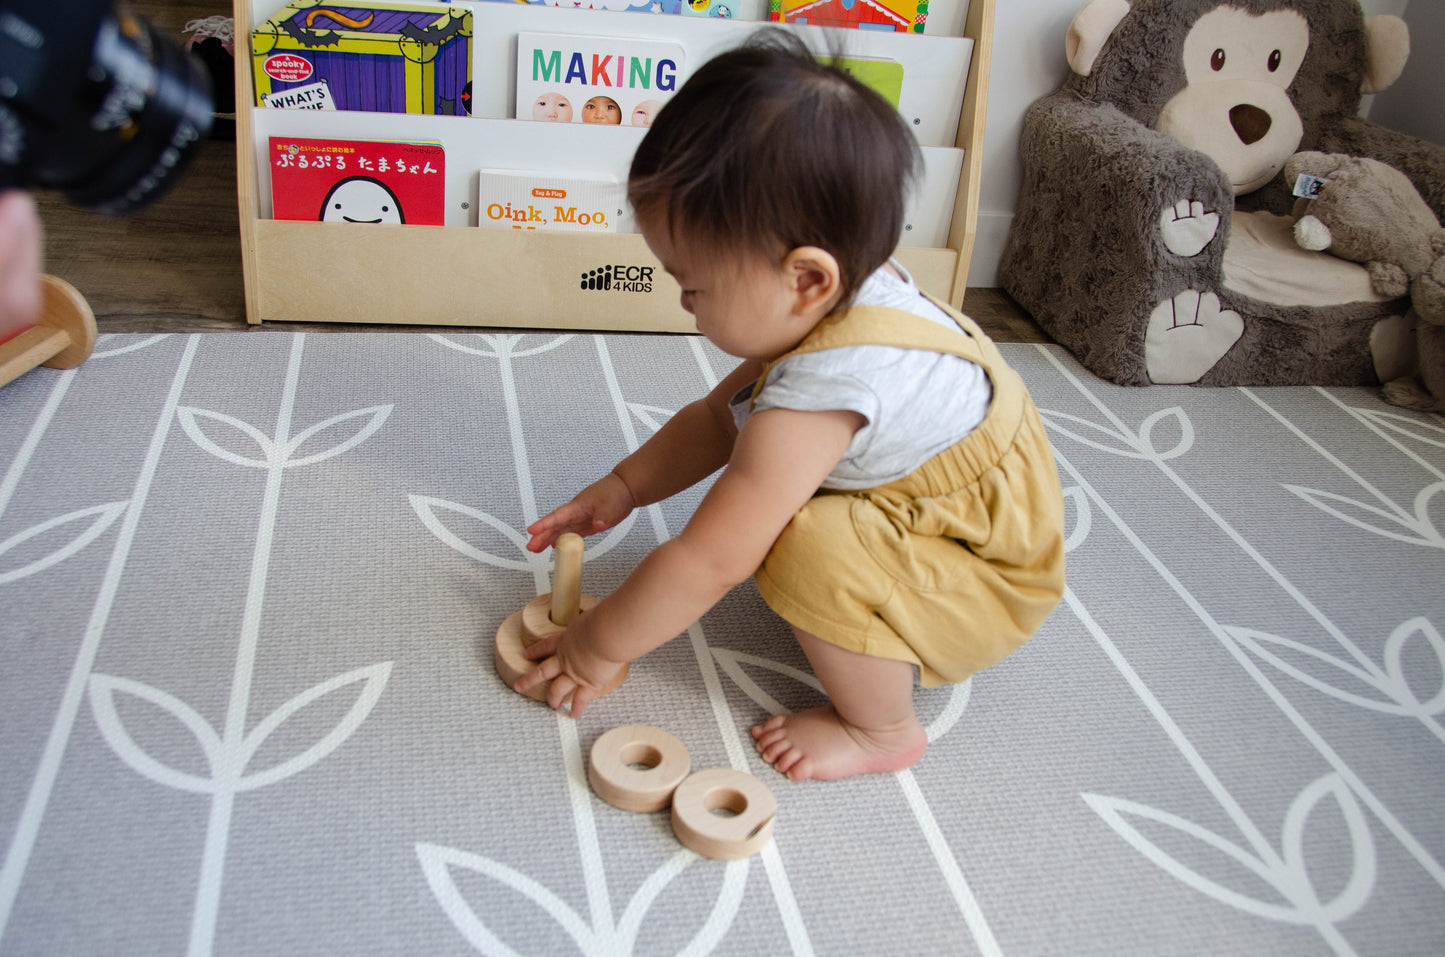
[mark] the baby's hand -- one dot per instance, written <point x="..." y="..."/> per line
<point x="598" y="507"/>
<point x="576" y="674"/>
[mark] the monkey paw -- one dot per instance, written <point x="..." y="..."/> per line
<point x="1187" y="228"/>
<point x="1187" y="335"/>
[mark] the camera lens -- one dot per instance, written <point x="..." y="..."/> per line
<point x="113" y="138"/>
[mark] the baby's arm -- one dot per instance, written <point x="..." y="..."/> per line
<point x="778" y="462"/>
<point x="689" y="447"/>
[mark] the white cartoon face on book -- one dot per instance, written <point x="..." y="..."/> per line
<point x="361" y="199"/>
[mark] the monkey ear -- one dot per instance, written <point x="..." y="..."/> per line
<point x="1090" y="30"/>
<point x="1387" y="47"/>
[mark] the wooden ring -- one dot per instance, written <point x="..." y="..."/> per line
<point x="742" y="833"/>
<point x="537" y="620"/>
<point x="509" y="650"/>
<point x="636" y="767"/>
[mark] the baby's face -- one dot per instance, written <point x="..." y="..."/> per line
<point x="645" y="112"/>
<point x="553" y="108"/>
<point x="602" y="109"/>
<point x="742" y="305"/>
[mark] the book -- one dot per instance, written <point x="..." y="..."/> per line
<point x="882" y="75"/>
<point x="613" y="81"/>
<point x="373" y="55"/>
<point x="903" y="16"/>
<point x="567" y="202"/>
<point x="357" y="181"/>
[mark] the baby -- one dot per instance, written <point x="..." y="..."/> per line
<point x="885" y="475"/>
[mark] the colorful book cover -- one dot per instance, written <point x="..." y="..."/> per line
<point x="613" y="81"/>
<point x="881" y="74"/>
<point x="689" y="8"/>
<point x="373" y="55"/>
<point x="567" y="202"/>
<point x="903" y="16"/>
<point x="357" y="181"/>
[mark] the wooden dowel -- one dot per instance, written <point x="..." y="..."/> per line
<point x="30" y="349"/>
<point x="567" y="578"/>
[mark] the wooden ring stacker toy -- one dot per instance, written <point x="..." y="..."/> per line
<point x="62" y="339"/>
<point x="747" y="830"/>
<point x="545" y="616"/>
<point x="636" y="768"/>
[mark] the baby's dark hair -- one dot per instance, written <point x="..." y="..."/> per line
<point x="767" y="148"/>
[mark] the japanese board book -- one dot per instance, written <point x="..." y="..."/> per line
<point x="357" y="181"/>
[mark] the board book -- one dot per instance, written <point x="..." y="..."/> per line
<point x="373" y="55"/>
<point x="357" y="181"/>
<point x="530" y="200"/>
<point x="608" y="81"/>
<point x="904" y="16"/>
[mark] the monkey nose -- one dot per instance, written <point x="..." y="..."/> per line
<point x="1250" y="123"/>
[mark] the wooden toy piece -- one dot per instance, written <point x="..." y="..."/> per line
<point x="744" y="829"/>
<point x="636" y="767"/>
<point x="62" y="339"/>
<point x="566" y="578"/>
<point x="515" y="636"/>
<point x="545" y="616"/>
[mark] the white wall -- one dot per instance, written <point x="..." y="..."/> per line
<point x="1028" y="62"/>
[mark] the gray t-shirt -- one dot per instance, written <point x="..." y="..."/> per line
<point x="917" y="402"/>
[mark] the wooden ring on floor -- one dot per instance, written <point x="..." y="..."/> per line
<point x="636" y="767"/>
<point x="537" y="620"/>
<point x="731" y="838"/>
<point x="509" y="650"/>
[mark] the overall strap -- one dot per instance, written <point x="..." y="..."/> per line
<point x="885" y="326"/>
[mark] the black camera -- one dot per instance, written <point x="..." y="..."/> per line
<point x="96" y="103"/>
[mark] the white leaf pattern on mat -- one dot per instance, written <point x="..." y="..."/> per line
<point x="430" y="511"/>
<point x="102" y="352"/>
<point x="654" y="417"/>
<point x="732" y="663"/>
<point x="269" y="450"/>
<point x="1121" y="442"/>
<point x="1392" y="682"/>
<point x="282" y="452"/>
<point x="1083" y="517"/>
<point x="1413" y="529"/>
<point x="1289" y="875"/>
<point x="1420" y="430"/>
<point x="103" y="691"/>
<point x="438" y="862"/>
<point x="374" y="678"/>
<point x="378" y="416"/>
<point x="501" y="346"/>
<point x="228" y="762"/>
<point x="101" y="517"/>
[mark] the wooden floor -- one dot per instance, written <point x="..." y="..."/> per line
<point x="176" y="267"/>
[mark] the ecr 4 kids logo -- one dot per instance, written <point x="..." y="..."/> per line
<point x="618" y="278"/>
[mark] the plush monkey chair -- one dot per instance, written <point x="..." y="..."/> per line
<point x="1152" y="236"/>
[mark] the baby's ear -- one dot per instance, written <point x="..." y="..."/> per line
<point x="814" y="276"/>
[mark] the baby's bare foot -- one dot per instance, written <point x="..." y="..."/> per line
<point x="820" y="744"/>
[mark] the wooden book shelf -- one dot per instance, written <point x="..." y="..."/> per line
<point x="472" y="276"/>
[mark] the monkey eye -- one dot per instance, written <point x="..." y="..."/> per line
<point x="1274" y="60"/>
<point x="1216" y="62"/>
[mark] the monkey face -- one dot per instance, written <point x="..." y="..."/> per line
<point x="1235" y="106"/>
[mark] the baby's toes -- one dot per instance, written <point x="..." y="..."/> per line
<point x="772" y="724"/>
